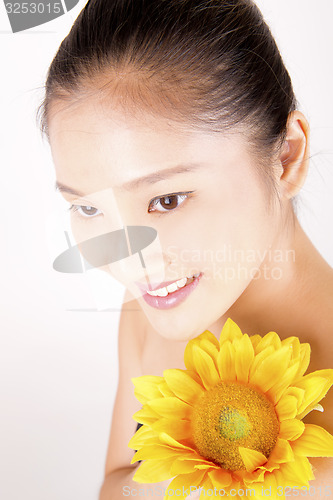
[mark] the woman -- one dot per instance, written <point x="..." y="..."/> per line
<point x="179" y="115"/>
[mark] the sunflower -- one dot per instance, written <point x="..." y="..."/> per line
<point x="233" y="419"/>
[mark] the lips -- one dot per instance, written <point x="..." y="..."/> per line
<point x="172" y="299"/>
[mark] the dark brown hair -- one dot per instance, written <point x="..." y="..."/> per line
<point x="213" y="63"/>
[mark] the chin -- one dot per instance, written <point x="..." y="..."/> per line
<point x="172" y="330"/>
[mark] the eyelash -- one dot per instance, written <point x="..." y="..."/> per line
<point x="153" y="203"/>
<point x="75" y="208"/>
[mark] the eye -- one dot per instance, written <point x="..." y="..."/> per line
<point x="84" y="211"/>
<point x="168" y="202"/>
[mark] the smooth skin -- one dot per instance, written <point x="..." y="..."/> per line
<point x="97" y="147"/>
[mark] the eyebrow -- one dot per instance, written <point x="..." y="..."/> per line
<point x="147" y="179"/>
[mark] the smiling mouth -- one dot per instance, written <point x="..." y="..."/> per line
<point x="172" y="287"/>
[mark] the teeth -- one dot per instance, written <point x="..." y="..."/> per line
<point x="163" y="292"/>
<point x="181" y="283"/>
<point x="172" y="288"/>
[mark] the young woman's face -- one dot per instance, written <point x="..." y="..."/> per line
<point x="200" y="191"/>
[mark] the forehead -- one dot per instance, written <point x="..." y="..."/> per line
<point x="94" y="120"/>
<point x="91" y="136"/>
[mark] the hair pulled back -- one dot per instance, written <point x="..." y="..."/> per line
<point x="214" y="63"/>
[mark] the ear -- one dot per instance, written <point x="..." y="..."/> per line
<point x="294" y="156"/>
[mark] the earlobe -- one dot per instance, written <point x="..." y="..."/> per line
<point x="294" y="157"/>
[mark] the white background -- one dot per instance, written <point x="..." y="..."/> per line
<point x="58" y="368"/>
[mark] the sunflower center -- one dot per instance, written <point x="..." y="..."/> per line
<point x="231" y="415"/>
<point x="233" y="425"/>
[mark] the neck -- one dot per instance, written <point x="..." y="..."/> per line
<point x="288" y="292"/>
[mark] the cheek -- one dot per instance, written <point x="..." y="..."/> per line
<point x="246" y="219"/>
<point x="256" y="222"/>
<point x="226" y="232"/>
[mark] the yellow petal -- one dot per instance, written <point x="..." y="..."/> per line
<point x="269" y="487"/>
<point x="183" y="467"/>
<point x="188" y="353"/>
<point x="244" y="356"/>
<point x="154" y="452"/>
<point x="154" y="471"/>
<point x="255" y="339"/>
<point x="220" y="478"/>
<point x="284" y="381"/>
<point x="291" y="486"/>
<point x="230" y="331"/>
<point x="180" y="486"/>
<point x="286" y="408"/>
<point x="208" y="337"/>
<point x="315" y="385"/>
<point x="314" y="442"/>
<point x="177" y="429"/>
<point x="146" y="387"/>
<point x="297" y="393"/>
<point x="205" y="367"/>
<point x="146" y="415"/>
<point x="206" y="485"/>
<point x="170" y="407"/>
<point x="165" y="390"/>
<point x="294" y="345"/>
<point x="194" y="457"/>
<point x="210" y="349"/>
<point x="168" y="440"/>
<point x="194" y="375"/>
<point x="259" y="358"/>
<point x="270" y="339"/>
<point x="304" y="355"/>
<point x="281" y="453"/>
<point x="249" y="479"/>
<point x="226" y="362"/>
<point x="295" y="474"/>
<point x="182" y="385"/>
<point x="186" y="465"/>
<point x="271" y="368"/>
<point x="204" y="466"/>
<point x="251" y="458"/>
<point x="291" y="429"/>
<point x="145" y="435"/>
<point x="254" y="490"/>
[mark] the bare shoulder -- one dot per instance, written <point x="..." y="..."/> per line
<point x="315" y="315"/>
<point x="322" y="486"/>
<point x="321" y="358"/>
<point x="132" y="331"/>
<point x="132" y="327"/>
<point x="326" y="294"/>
